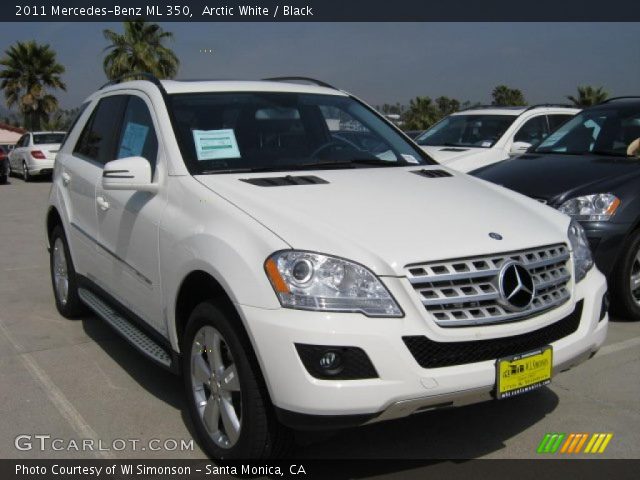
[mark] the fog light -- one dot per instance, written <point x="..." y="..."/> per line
<point x="330" y="361"/>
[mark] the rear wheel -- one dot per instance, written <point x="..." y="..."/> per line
<point x="25" y="172"/>
<point x="625" y="282"/>
<point x="226" y="395"/>
<point x="63" y="277"/>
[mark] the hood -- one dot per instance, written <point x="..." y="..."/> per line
<point x="555" y="177"/>
<point x="444" y="155"/>
<point x="464" y="159"/>
<point x="386" y="218"/>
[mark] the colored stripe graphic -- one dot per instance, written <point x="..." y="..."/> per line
<point x="573" y="443"/>
<point x="550" y="443"/>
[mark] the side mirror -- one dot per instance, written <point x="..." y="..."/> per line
<point x="518" y="148"/>
<point x="131" y="173"/>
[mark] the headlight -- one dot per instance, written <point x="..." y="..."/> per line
<point x="599" y="207"/>
<point x="582" y="259"/>
<point x="310" y="281"/>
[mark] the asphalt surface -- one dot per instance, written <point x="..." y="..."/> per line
<point x="77" y="380"/>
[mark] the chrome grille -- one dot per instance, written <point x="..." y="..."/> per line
<point x="465" y="292"/>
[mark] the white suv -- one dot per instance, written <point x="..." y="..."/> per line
<point x="304" y="264"/>
<point x="480" y="136"/>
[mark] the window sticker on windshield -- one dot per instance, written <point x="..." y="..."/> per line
<point x="387" y="156"/>
<point x="410" y="158"/>
<point x="133" y="139"/>
<point x="215" y="144"/>
<point x="486" y="144"/>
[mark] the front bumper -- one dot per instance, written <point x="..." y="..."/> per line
<point x="607" y="242"/>
<point x="402" y="386"/>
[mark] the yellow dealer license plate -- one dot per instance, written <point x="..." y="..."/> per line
<point x="523" y="372"/>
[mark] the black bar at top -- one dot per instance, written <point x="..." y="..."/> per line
<point x="323" y="11"/>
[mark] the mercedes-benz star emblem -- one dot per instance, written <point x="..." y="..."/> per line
<point x="516" y="286"/>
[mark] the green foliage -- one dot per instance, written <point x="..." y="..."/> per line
<point x="139" y="49"/>
<point x="30" y="72"/>
<point x="424" y="112"/>
<point x="588" y="96"/>
<point x="504" y="96"/>
<point x="60" y="120"/>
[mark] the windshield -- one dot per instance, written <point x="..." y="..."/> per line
<point x="467" y="131"/>
<point x="606" y="131"/>
<point x="251" y="131"/>
<point x="45" y="138"/>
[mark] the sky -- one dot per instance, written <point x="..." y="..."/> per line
<point x="378" y="62"/>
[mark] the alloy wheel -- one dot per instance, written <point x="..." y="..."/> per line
<point x="634" y="278"/>
<point x="216" y="387"/>
<point x="60" y="272"/>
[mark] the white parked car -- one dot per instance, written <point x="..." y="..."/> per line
<point x="35" y="154"/>
<point x="304" y="265"/>
<point x="480" y="136"/>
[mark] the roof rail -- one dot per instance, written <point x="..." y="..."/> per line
<point x="145" y="76"/>
<point x="483" y="107"/>
<point x="613" y="99"/>
<point x="301" y="79"/>
<point x="542" y="105"/>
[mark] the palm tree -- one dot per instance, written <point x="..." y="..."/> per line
<point x="30" y="72"/>
<point x="139" y="49"/>
<point x="504" y="96"/>
<point x="588" y="95"/>
<point x="422" y="113"/>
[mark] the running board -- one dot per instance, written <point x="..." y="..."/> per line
<point x="140" y="340"/>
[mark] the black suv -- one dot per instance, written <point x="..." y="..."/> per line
<point x="590" y="169"/>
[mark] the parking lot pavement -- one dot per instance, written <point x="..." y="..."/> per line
<point x="78" y="380"/>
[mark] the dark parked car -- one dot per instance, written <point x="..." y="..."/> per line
<point x="4" y="164"/>
<point x="590" y="169"/>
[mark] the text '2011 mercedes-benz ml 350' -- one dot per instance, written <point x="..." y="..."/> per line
<point x="303" y="264"/>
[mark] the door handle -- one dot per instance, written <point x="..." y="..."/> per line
<point x="102" y="203"/>
<point x="66" y="178"/>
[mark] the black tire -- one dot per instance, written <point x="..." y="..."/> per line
<point x="623" y="304"/>
<point x="3" y="179"/>
<point x="261" y="435"/>
<point x="25" y="172"/>
<point x="73" y="307"/>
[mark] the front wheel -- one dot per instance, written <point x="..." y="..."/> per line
<point x="625" y="281"/>
<point x="226" y="395"/>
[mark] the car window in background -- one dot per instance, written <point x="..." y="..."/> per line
<point x="603" y="131"/>
<point x="97" y="140"/>
<point x="557" y="120"/>
<point x="467" y="131"/>
<point x="280" y="131"/>
<point x="46" y="138"/>
<point x="533" y="131"/>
